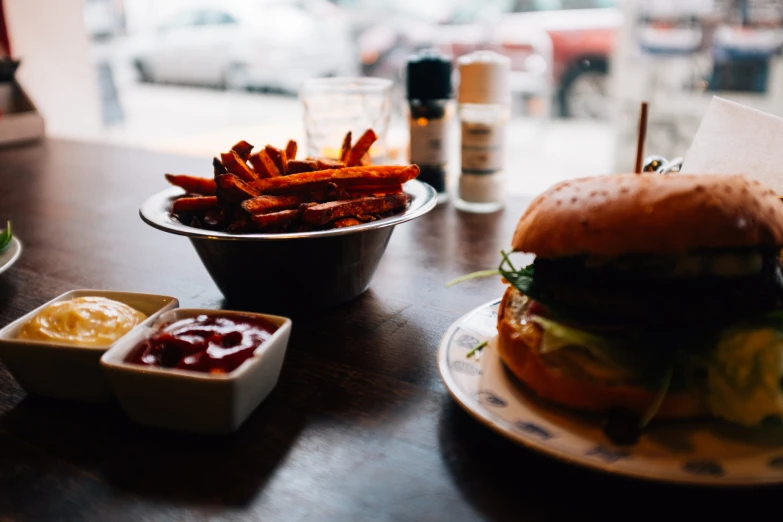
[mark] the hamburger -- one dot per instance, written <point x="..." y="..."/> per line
<point x="649" y="296"/>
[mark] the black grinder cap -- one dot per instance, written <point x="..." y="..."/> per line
<point x="429" y="76"/>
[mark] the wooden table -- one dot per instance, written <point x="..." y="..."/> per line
<point x="360" y="426"/>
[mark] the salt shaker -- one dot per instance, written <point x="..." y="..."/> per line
<point x="484" y="98"/>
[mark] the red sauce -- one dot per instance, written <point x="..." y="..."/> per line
<point x="205" y="343"/>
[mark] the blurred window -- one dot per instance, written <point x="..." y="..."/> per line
<point x="214" y="17"/>
<point x="522" y="6"/>
<point x="471" y="12"/>
<point x="588" y="4"/>
<point x="183" y="19"/>
<point x="537" y="5"/>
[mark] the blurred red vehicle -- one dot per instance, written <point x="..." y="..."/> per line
<point x="581" y="36"/>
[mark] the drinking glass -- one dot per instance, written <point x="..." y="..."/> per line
<point x="334" y="106"/>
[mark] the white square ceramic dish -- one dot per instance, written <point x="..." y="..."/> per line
<point x="193" y="401"/>
<point x="68" y="371"/>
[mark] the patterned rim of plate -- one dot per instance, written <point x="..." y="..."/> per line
<point x="693" y="453"/>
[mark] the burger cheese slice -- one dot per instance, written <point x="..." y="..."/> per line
<point x="654" y="295"/>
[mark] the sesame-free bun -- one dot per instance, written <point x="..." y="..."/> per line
<point x="518" y="345"/>
<point x="650" y="214"/>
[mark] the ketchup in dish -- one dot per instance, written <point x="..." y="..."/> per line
<point x="205" y="343"/>
<point x="83" y="321"/>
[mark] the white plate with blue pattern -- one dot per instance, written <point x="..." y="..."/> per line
<point x="703" y="452"/>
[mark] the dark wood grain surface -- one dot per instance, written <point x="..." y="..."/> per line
<point x="360" y="426"/>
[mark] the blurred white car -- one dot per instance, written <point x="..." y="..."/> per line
<point x="273" y="45"/>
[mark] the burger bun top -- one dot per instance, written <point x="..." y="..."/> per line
<point x="655" y="214"/>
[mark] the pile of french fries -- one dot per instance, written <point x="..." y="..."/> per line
<point x="271" y="191"/>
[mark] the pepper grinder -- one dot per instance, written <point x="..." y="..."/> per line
<point x="429" y="94"/>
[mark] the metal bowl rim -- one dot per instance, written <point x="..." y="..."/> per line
<point x="155" y="211"/>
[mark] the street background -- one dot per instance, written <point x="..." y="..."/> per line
<point x="194" y="77"/>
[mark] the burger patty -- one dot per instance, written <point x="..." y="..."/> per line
<point x="611" y="296"/>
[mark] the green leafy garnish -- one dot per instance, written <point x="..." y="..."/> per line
<point x="521" y="279"/>
<point x="477" y="348"/>
<point x="5" y="236"/>
<point x="524" y="280"/>
<point x="473" y="275"/>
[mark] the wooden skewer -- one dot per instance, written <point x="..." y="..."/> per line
<point x="642" y="136"/>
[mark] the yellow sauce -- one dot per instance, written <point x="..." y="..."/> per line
<point x="84" y="321"/>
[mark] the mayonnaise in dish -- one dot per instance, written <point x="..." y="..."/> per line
<point x="83" y="321"/>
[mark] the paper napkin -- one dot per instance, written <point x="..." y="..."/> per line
<point x="735" y="139"/>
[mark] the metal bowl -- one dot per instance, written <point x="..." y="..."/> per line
<point x="296" y="272"/>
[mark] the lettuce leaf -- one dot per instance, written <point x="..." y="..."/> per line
<point x="743" y="363"/>
<point x="558" y="336"/>
<point x="627" y="357"/>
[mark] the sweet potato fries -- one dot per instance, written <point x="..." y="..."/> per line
<point x="271" y="191"/>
